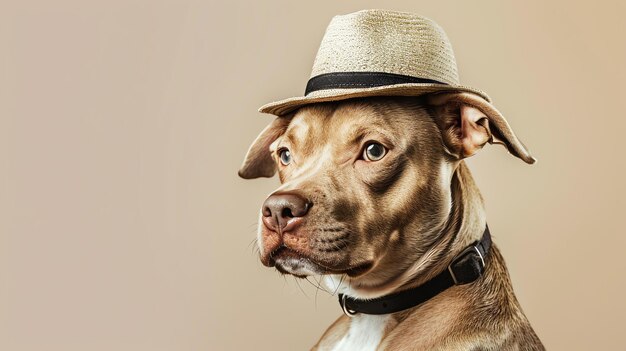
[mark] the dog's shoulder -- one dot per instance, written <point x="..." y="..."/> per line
<point x="333" y="334"/>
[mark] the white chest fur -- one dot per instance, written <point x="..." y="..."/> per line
<point x="364" y="334"/>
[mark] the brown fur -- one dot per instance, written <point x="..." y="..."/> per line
<point x="392" y="224"/>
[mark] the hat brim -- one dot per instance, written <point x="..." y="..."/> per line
<point x="283" y="107"/>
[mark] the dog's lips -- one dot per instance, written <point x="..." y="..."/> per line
<point x="289" y="254"/>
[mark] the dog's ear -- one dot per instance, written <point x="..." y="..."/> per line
<point x="258" y="161"/>
<point x="468" y="122"/>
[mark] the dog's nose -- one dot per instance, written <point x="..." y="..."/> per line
<point x="283" y="211"/>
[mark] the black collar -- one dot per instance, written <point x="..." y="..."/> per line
<point x="465" y="268"/>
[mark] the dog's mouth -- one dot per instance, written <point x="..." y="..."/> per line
<point x="289" y="261"/>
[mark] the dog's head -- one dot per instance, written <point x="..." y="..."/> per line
<point x="366" y="183"/>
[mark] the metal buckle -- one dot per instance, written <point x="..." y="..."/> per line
<point x="457" y="258"/>
<point x="348" y="312"/>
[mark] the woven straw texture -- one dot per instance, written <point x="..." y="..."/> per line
<point x="381" y="41"/>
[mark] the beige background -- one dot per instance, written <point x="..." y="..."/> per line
<point x="123" y="225"/>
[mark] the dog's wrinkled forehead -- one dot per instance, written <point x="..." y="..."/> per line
<point x="342" y="125"/>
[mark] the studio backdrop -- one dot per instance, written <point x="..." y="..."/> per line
<point x="124" y="225"/>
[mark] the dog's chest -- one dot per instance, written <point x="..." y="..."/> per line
<point x="364" y="333"/>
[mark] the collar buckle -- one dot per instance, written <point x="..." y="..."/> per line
<point x="467" y="266"/>
<point x="342" y="301"/>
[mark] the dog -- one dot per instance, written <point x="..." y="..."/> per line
<point x="376" y="197"/>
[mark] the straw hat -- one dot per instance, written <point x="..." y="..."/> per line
<point x="378" y="53"/>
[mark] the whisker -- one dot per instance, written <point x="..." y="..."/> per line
<point x="338" y="285"/>
<point x="316" y="291"/>
<point x="317" y="287"/>
<point x="322" y="287"/>
<point x="253" y="242"/>
<point x="298" y="283"/>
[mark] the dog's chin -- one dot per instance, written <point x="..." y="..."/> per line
<point x="299" y="267"/>
<point x="288" y="261"/>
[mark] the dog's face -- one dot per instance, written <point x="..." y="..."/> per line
<point x="365" y="183"/>
<point x="364" y="168"/>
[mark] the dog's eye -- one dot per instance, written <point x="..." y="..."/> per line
<point x="285" y="156"/>
<point x="374" y="151"/>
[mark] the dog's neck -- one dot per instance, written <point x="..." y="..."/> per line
<point x="465" y="224"/>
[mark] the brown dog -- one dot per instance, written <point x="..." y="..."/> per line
<point x="376" y="197"/>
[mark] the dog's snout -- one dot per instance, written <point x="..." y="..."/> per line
<point x="283" y="210"/>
